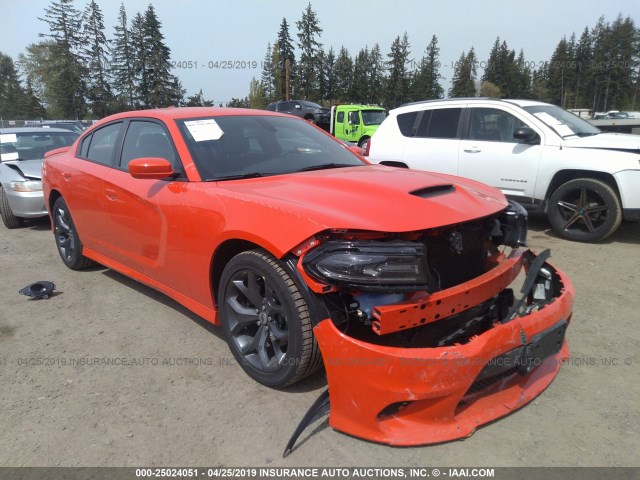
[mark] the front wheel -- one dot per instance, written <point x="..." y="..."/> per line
<point x="584" y="210"/>
<point x="67" y="239"/>
<point x="8" y="218"/>
<point x="364" y="142"/>
<point x="266" y="320"/>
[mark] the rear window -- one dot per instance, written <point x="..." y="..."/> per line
<point x="406" y="122"/>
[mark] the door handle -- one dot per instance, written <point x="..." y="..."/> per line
<point x="472" y="150"/>
<point x="111" y="194"/>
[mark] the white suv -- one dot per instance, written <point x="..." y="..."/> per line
<point x="540" y="155"/>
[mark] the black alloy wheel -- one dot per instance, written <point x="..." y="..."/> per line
<point x="585" y="210"/>
<point x="67" y="239"/>
<point x="266" y="320"/>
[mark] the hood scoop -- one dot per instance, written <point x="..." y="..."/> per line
<point x="434" y="191"/>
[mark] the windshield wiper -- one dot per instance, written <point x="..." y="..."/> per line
<point x="239" y="176"/>
<point x="581" y="134"/>
<point x="325" y="166"/>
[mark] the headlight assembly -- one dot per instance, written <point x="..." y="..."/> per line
<point x="27" y="186"/>
<point x="370" y="265"/>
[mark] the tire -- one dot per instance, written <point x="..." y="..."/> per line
<point x="8" y="218"/>
<point x="266" y="320"/>
<point x="363" y="144"/>
<point x="67" y="239"/>
<point x="584" y="210"/>
<point x="310" y="119"/>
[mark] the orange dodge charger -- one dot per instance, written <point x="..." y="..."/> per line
<point x="401" y="283"/>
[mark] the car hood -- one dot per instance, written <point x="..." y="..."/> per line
<point x="613" y="141"/>
<point x="27" y="168"/>
<point x="374" y="198"/>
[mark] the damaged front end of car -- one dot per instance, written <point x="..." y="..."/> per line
<point x="425" y="335"/>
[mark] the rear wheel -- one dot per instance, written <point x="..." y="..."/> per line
<point x="266" y="320"/>
<point x="67" y="239"/>
<point x="363" y="143"/>
<point x="8" y="218"/>
<point x="584" y="210"/>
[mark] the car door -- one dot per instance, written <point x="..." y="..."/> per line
<point x="86" y="179"/>
<point x="490" y="154"/>
<point x="431" y="138"/>
<point x="340" y="122"/>
<point x="352" y="128"/>
<point x="144" y="214"/>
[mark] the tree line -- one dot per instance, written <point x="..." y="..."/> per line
<point x="76" y="72"/>
<point x="600" y="71"/>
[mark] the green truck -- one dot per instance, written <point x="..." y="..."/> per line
<point x="355" y="123"/>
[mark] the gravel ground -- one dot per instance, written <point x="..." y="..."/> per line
<point x="176" y="398"/>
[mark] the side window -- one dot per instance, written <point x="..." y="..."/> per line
<point x="493" y="125"/>
<point x="146" y="139"/>
<point x="285" y="107"/>
<point x="354" y="119"/>
<point x="84" y="146"/>
<point x="340" y="118"/>
<point x="102" y="144"/>
<point x="441" y="123"/>
<point x="406" y="122"/>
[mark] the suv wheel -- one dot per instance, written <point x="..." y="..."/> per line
<point x="584" y="210"/>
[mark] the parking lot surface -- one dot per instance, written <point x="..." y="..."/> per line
<point x="108" y="372"/>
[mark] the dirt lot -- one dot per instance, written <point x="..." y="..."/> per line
<point x="178" y="399"/>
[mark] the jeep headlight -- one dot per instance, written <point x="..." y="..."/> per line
<point x="370" y="265"/>
<point x="27" y="186"/>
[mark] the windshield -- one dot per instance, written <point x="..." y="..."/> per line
<point x="372" y="117"/>
<point x="244" y="146"/>
<point x="32" y="145"/>
<point x="565" y="124"/>
<point x="310" y="104"/>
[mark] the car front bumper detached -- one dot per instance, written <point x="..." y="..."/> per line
<point x="416" y="395"/>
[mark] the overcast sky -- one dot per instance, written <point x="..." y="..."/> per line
<point x="209" y="31"/>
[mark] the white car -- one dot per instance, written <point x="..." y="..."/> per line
<point x="537" y="154"/>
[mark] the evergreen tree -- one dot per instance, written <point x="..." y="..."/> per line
<point x="398" y="81"/>
<point x="95" y="53"/>
<point x="139" y="64"/>
<point x="426" y="83"/>
<point x="343" y="72"/>
<point x="267" y="81"/>
<point x="238" y="102"/>
<point x="359" y="85"/>
<point x="32" y="108"/>
<point x="162" y="86"/>
<point x="67" y="84"/>
<point x="308" y="68"/>
<point x="11" y="93"/>
<point x="285" y="52"/>
<point x="376" y="79"/>
<point x="329" y="78"/>
<point x="123" y="63"/>
<point x="198" y="100"/>
<point x="463" y="83"/>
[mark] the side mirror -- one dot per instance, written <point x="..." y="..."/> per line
<point x="526" y="135"/>
<point x="151" y="168"/>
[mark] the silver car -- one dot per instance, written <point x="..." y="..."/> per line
<point x="21" y="153"/>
